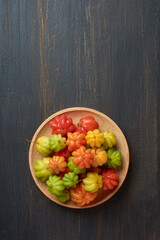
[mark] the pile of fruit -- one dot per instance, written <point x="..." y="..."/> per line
<point x="79" y="160"/>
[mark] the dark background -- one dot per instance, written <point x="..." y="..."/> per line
<point x="102" y="54"/>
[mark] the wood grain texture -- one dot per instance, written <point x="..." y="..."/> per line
<point x="100" y="54"/>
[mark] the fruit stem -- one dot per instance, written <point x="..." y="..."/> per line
<point x="29" y="140"/>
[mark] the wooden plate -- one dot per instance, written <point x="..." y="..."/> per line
<point x="105" y="123"/>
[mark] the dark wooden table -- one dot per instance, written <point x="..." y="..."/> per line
<point x="102" y="54"/>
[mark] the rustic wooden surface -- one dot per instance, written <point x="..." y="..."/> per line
<point x="102" y="54"/>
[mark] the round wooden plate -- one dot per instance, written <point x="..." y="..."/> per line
<point x="105" y="123"/>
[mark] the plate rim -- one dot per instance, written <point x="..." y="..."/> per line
<point x="59" y="113"/>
